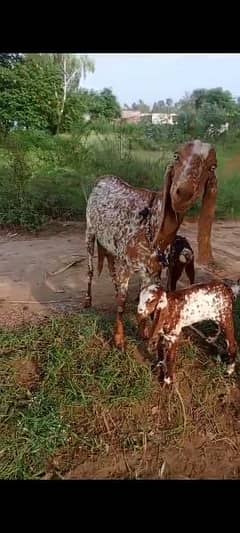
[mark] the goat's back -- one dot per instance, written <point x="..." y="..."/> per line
<point x="112" y="212"/>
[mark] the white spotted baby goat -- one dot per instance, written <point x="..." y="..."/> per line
<point x="176" y="310"/>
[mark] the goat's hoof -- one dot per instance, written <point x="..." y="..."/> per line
<point x="88" y="302"/>
<point x="168" y="381"/>
<point x="230" y="369"/>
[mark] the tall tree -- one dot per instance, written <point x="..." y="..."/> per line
<point x="72" y="68"/>
<point x="98" y="105"/>
<point x="10" y="60"/>
<point x="169" y="102"/>
<point x="141" y="106"/>
<point x="217" y="96"/>
<point x="159" y="107"/>
<point x="28" y="95"/>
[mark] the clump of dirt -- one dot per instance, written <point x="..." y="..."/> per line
<point x="26" y="372"/>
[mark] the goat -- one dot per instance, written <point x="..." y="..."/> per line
<point x="176" y="310"/>
<point x="179" y="256"/>
<point x="131" y="241"/>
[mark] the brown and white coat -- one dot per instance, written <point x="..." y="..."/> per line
<point x="174" y="311"/>
<point x="131" y="241"/>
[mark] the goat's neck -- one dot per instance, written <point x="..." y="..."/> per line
<point x="163" y="235"/>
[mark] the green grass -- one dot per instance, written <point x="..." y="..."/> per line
<point x="80" y="374"/>
<point x="44" y="177"/>
<point x="86" y="401"/>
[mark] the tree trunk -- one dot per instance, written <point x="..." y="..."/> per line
<point x="64" y="95"/>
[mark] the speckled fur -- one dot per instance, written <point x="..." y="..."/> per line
<point x="130" y="240"/>
<point x="176" y="310"/>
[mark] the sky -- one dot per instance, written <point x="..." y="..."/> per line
<point x="153" y="77"/>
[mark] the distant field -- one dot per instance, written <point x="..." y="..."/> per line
<point x="44" y="177"/>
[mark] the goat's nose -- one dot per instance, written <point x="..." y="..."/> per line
<point x="183" y="192"/>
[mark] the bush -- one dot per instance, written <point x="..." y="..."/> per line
<point x="44" y="177"/>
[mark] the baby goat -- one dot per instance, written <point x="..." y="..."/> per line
<point x="177" y="257"/>
<point x="176" y="310"/>
<point x="180" y="257"/>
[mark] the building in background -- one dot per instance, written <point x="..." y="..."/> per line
<point x="130" y="116"/>
<point x="134" y="117"/>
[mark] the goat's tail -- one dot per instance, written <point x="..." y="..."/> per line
<point x="101" y="257"/>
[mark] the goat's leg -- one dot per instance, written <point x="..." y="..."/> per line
<point x="227" y="326"/>
<point x="112" y="272"/>
<point x="90" y="240"/>
<point x="190" y="271"/>
<point x="144" y="330"/>
<point x="160" y="359"/>
<point x="170" y="348"/>
<point x="174" y="273"/>
<point x="213" y="338"/>
<point x="123" y="280"/>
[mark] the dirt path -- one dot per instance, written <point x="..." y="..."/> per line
<point x="27" y="291"/>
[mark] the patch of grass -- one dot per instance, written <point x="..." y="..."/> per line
<point x="80" y="374"/>
<point x="90" y="399"/>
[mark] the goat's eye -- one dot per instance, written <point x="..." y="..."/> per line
<point x="213" y="167"/>
<point x="176" y="157"/>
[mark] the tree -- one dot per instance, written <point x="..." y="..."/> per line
<point x="103" y="104"/>
<point x="159" y="107"/>
<point x="223" y="99"/>
<point x="198" y="97"/>
<point x="97" y="105"/>
<point x="141" y="106"/>
<point x="10" y="60"/>
<point x="110" y="106"/>
<point x="169" y="102"/>
<point x="71" y="67"/>
<point x="28" y="95"/>
<point x="187" y="121"/>
<point x="185" y="103"/>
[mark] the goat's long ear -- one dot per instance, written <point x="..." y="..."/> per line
<point x="166" y="199"/>
<point x="206" y="219"/>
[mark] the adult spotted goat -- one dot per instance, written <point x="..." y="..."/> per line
<point x="133" y="226"/>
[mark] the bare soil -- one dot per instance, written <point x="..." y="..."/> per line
<point x="28" y="292"/>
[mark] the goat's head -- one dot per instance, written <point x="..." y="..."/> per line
<point x="149" y="298"/>
<point x="194" y="163"/>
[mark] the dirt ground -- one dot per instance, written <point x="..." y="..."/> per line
<point x="28" y="292"/>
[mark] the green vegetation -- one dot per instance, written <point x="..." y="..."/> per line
<point x="67" y="396"/>
<point x="76" y="375"/>
<point x="45" y="177"/>
<point x="56" y="138"/>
